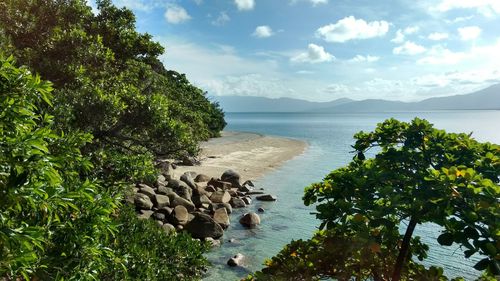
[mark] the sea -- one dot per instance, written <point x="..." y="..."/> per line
<point x="329" y="138"/>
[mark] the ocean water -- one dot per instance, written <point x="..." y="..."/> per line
<point x="329" y="137"/>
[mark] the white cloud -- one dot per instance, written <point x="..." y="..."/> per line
<point x="245" y="5"/>
<point x="361" y="58"/>
<point x="263" y="31"/>
<point x="222" y="19"/>
<point x="409" y="48"/>
<point x="438" y="36"/>
<point x="411" y="30"/>
<point x="318" y="2"/>
<point x="469" y="32"/>
<point x="350" y="28"/>
<point x="484" y="7"/>
<point x="400" y="34"/>
<point x="438" y="55"/>
<point x="314" y="54"/>
<point x="176" y="14"/>
<point x="459" y="19"/>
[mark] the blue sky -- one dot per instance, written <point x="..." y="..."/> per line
<point x="322" y="50"/>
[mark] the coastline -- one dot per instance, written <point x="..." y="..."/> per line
<point x="250" y="154"/>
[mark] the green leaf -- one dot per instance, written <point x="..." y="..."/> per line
<point x="445" y="239"/>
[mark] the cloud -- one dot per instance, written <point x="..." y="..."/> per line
<point x="485" y="7"/>
<point x="221" y="20"/>
<point x="409" y="48"/>
<point x="263" y="31"/>
<point x="438" y="36"/>
<point x="176" y="14"/>
<point x="438" y="55"/>
<point x="198" y="2"/>
<point x="314" y="54"/>
<point x="318" y="2"/>
<point x="350" y="28"/>
<point x="459" y="19"/>
<point x="469" y="32"/>
<point x="368" y="58"/>
<point x="245" y="5"/>
<point x="400" y="34"/>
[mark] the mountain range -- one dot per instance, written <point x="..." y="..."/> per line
<point x="488" y="98"/>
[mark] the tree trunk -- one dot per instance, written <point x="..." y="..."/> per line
<point x="403" y="252"/>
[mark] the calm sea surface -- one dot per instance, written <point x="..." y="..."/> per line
<point x="329" y="137"/>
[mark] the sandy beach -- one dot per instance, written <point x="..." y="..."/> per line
<point x="251" y="154"/>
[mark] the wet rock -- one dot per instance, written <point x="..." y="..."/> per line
<point x="255" y="192"/>
<point x="237" y="202"/>
<point x="266" y="197"/>
<point x="203" y="226"/>
<point x="247" y="200"/>
<point x="236" y="260"/>
<point x="250" y="220"/>
<point x="213" y="242"/>
<point x="261" y="210"/>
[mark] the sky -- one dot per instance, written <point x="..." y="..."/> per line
<point x="322" y="50"/>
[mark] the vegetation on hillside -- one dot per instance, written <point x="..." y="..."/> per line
<point x="370" y="208"/>
<point x="69" y="148"/>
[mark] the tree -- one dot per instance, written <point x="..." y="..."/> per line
<point x="418" y="175"/>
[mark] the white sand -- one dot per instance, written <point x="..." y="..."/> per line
<point x="250" y="154"/>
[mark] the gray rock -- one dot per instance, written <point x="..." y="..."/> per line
<point x="220" y="184"/>
<point x="199" y="200"/>
<point x="188" y="179"/>
<point x="203" y="226"/>
<point x="220" y="197"/>
<point x="255" y="192"/>
<point x="210" y="188"/>
<point x="266" y="197"/>
<point x="249" y="183"/>
<point x="166" y="169"/>
<point x="161" y="201"/>
<point x="149" y="191"/>
<point x="202" y="178"/>
<point x="159" y="216"/>
<point x="163" y="190"/>
<point x="181" y="188"/>
<point x="227" y="206"/>
<point x="261" y="210"/>
<point x="221" y="217"/>
<point x="165" y="210"/>
<point x="244" y="188"/>
<point x="168" y="228"/>
<point x="236" y="260"/>
<point x="145" y="214"/>
<point x="190" y="161"/>
<point x="177" y="200"/>
<point x="142" y="201"/>
<point x="159" y="223"/>
<point x="179" y="215"/>
<point x="237" y="202"/>
<point x="161" y="180"/>
<point x="231" y="176"/>
<point x="250" y="220"/>
<point x="232" y="192"/>
<point x="247" y="200"/>
<point x="213" y="242"/>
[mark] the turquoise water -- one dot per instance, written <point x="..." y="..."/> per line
<point x="329" y="137"/>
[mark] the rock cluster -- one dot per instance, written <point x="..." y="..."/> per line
<point x="195" y="203"/>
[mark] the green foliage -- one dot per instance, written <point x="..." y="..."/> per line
<point x="148" y="253"/>
<point x="419" y="175"/>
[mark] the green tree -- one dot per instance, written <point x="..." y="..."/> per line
<point x="418" y="175"/>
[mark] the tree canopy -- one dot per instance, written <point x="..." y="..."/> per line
<point x="370" y="208"/>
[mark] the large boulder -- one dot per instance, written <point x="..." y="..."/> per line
<point x="227" y="206"/>
<point x="177" y="200"/>
<point x="250" y="219"/>
<point x="163" y="190"/>
<point x="161" y="201"/>
<point x="203" y="226"/>
<point x="237" y="202"/>
<point x="199" y="200"/>
<point x="181" y="188"/>
<point x="202" y="178"/>
<point x="221" y="217"/>
<point x="236" y="260"/>
<point x="142" y="201"/>
<point x="231" y="176"/>
<point x="187" y="177"/>
<point x="145" y="189"/>
<point x="179" y="215"/>
<point x="266" y="197"/>
<point x="220" y="197"/>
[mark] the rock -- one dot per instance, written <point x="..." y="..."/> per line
<point x="199" y="200"/>
<point x="203" y="226"/>
<point x="188" y="179"/>
<point x="181" y="188"/>
<point x="231" y="176"/>
<point x="179" y="227"/>
<point x="254" y="192"/>
<point x="233" y="192"/>
<point x="241" y="194"/>
<point x="227" y="206"/>
<point x="213" y="242"/>
<point x="159" y="223"/>
<point x="210" y="188"/>
<point x="161" y="181"/>
<point x="247" y="200"/>
<point x="179" y="201"/>
<point x="163" y="190"/>
<point x="145" y="214"/>
<point x="249" y="183"/>
<point x="159" y="216"/>
<point x="232" y="240"/>
<point x="219" y="184"/>
<point x="149" y="191"/>
<point x="220" y="197"/>
<point x="202" y="178"/>
<point x="261" y="210"/>
<point x="244" y="188"/>
<point x="237" y="260"/>
<point x="250" y="219"/>
<point x="166" y="169"/>
<point x="237" y="203"/>
<point x="266" y="197"/>
<point x="179" y="215"/>
<point x="221" y="217"/>
<point x="190" y="161"/>
<point x="161" y="201"/>
<point x="168" y="228"/>
<point x="165" y="210"/>
<point x="142" y="201"/>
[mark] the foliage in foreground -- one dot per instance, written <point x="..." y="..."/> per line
<point x="419" y="175"/>
<point x="58" y="221"/>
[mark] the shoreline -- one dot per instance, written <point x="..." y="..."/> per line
<point x="251" y="154"/>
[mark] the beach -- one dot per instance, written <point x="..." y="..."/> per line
<point x="250" y="154"/>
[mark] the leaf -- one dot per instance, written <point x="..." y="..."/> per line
<point x="445" y="239"/>
<point x="482" y="264"/>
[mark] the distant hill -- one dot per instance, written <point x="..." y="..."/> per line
<point x="488" y="98"/>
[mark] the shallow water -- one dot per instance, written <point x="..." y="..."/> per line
<point x="330" y="138"/>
